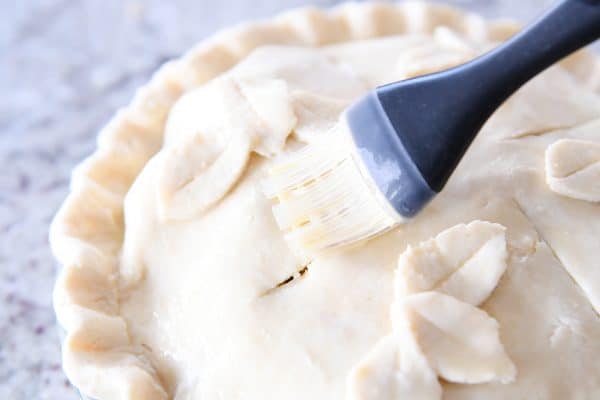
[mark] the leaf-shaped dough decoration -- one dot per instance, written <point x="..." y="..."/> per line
<point x="197" y="175"/>
<point x="394" y="369"/>
<point x="260" y="108"/>
<point x="201" y="112"/>
<point x="270" y="100"/>
<point x="461" y="341"/>
<point x="573" y="169"/>
<point x="316" y="114"/>
<point x="465" y="261"/>
<point x="210" y="135"/>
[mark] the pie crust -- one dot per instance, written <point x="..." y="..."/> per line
<point x="88" y="232"/>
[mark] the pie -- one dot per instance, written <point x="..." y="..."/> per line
<point x="177" y="284"/>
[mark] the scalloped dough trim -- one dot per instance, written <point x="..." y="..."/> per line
<point x="86" y="234"/>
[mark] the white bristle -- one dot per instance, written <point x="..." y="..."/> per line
<point x="323" y="198"/>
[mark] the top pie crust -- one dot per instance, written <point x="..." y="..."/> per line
<point x="100" y="354"/>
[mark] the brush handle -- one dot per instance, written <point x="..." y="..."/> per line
<point x="437" y="116"/>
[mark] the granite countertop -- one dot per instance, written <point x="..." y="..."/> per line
<point x="66" y="67"/>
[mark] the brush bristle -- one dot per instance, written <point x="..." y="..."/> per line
<point x="323" y="199"/>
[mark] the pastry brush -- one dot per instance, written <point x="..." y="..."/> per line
<point x="395" y="149"/>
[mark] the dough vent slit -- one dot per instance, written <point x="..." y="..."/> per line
<point x="296" y="276"/>
<point x="537" y="133"/>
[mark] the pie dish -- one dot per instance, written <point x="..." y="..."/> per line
<point x="177" y="284"/>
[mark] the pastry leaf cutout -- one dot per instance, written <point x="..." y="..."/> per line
<point x="270" y="100"/>
<point x="437" y="329"/>
<point x="210" y="137"/>
<point x="573" y="169"/>
<point x="461" y="341"/>
<point x="394" y="369"/>
<point x="199" y="176"/>
<point x="465" y="261"/>
<point x="316" y="113"/>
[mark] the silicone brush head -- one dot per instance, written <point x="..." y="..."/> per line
<point x="402" y="141"/>
<point x="353" y="183"/>
<point x="323" y="197"/>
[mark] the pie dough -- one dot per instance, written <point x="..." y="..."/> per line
<point x="177" y="283"/>
<point x="435" y="334"/>
<point x="461" y="342"/>
<point x="395" y="369"/>
<point x="573" y="168"/>
<point x="465" y="261"/>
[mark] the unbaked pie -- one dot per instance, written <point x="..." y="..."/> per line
<point x="177" y="283"/>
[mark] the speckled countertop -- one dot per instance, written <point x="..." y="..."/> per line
<point x="66" y="66"/>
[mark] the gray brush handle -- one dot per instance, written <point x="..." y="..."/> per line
<point x="423" y="126"/>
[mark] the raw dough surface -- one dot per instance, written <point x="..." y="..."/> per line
<point x="224" y="319"/>
<point x="214" y="304"/>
